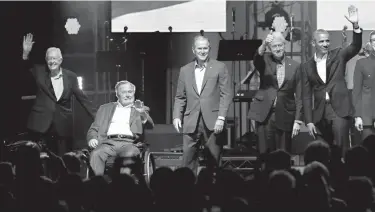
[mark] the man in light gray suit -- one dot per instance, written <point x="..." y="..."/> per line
<point x="202" y="99"/>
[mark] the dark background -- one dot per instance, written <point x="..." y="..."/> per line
<point x="46" y="21"/>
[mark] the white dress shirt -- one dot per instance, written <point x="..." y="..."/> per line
<point x="58" y="85"/>
<point x="120" y="123"/>
<point x="321" y="66"/>
<point x="199" y="75"/>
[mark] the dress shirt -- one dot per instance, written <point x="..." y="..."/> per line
<point x="321" y="66"/>
<point x="280" y="69"/>
<point x="199" y="75"/>
<point x="199" y="72"/>
<point x="120" y="123"/>
<point x="58" y="85"/>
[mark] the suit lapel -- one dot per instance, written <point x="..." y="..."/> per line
<point x="328" y="64"/>
<point x="206" y="74"/>
<point x="288" y="72"/>
<point x="49" y="86"/>
<point x="193" y="80"/>
<point x="314" y="70"/>
<point x="65" y="83"/>
<point x="110" y="114"/>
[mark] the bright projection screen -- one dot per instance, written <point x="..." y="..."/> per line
<point x="182" y="16"/>
<point x="330" y="14"/>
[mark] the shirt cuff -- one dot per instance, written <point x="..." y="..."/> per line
<point x="298" y="121"/>
<point x="221" y="118"/>
<point x="144" y="119"/>
<point x="358" y="30"/>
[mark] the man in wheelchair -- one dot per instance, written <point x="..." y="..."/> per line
<point x="118" y="128"/>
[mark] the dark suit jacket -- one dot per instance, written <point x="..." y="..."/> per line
<point x="314" y="89"/>
<point x="288" y="105"/>
<point x="99" y="127"/>
<point x="364" y="90"/>
<point x="213" y="101"/>
<point x="46" y="109"/>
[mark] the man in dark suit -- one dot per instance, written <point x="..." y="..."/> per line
<point x="363" y="97"/>
<point x="202" y="99"/>
<point x="326" y="99"/>
<point x="51" y="115"/>
<point x="277" y="105"/>
<point x="117" y="128"/>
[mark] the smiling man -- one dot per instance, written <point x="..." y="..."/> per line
<point x="203" y="96"/>
<point x="117" y="128"/>
<point x="50" y="118"/>
<point x="326" y="101"/>
<point x="277" y="105"/>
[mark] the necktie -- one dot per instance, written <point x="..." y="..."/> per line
<point x="280" y="74"/>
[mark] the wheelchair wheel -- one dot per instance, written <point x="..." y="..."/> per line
<point x="149" y="165"/>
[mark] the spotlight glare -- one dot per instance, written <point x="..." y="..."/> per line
<point x="72" y="26"/>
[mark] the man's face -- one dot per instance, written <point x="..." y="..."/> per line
<point x="54" y="60"/>
<point x="125" y="94"/>
<point x="321" y="43"/>
<point x="372" y="42"/>
<point x="277" y="49"/>
<point x="201" y="49"/>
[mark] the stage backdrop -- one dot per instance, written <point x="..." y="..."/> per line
<point x="330" y="14"/>
<point x="182" y="16"/>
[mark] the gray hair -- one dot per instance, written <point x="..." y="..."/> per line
<point x="371" y="34"/>
<point x="52" y="49"/>
<point x="124" y="82"/>
<point x="200" y="37"/>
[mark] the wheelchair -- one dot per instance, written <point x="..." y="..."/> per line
<point x="146" y="156"/>
<point x="9" y="147"/>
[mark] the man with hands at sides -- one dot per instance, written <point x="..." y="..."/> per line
<point x="277" y="105"/>
<point x="326" y="101"/>
<point x="363" y="93"/>
<point x="203" y="96"/>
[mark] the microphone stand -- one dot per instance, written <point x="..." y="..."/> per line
<point x="143" y="55"/>
<point x="170" y="59"/>
<point x="125" y="38"/>
<point x="234" y="81"/>
<point x="106" y="36"/>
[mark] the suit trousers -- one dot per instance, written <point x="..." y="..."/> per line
<point x="59" y="145"/>
<point x="206" y="138"/>
<point x="271" y="138"/>
<point x="334" y="129"/>
<point x="110" y="148"/>
<point x="53" y="141"/>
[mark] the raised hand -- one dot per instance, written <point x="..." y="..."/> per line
<point x="353" y="14"/>
<point x="27" y="43"/>
<point x="269" y="38"/>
